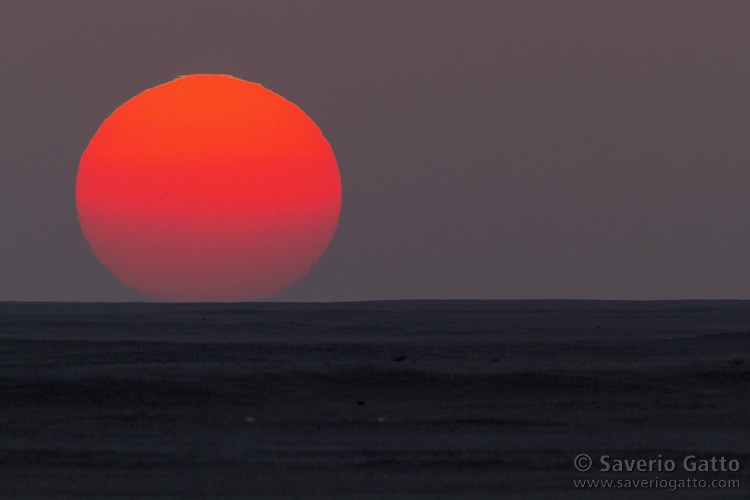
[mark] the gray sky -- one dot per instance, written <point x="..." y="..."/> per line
<point x="487" y="149"/>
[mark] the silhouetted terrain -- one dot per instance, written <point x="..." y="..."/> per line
<point x="378" y="400"/>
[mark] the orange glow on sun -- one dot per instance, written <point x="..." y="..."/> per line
<point x="208" y="188"/>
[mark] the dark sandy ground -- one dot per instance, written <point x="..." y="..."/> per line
<point x="385" y="400"/>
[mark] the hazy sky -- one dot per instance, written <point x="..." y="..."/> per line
<point x="487" y="149"/>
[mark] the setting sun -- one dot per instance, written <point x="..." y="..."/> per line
<point x="208" y="188"/>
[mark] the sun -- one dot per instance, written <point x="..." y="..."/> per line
<point x="208" y="188"/>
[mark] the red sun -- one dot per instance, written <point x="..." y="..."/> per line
<point x="208" y="188"/>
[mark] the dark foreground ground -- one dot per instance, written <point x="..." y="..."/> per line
<point x="390" y="400"/>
